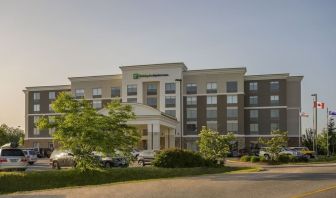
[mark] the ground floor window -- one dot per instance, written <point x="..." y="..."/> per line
<point x="192" y="146"/>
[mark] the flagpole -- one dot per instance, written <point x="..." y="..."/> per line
<point x="300" y="130"/>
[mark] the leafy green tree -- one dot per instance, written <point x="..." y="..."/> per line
<point x="82" y="130"/>
<point x="332" y="136"/>
<point x="213" y="145"/>
<point x="10" y="134"/>
<point x="308" y="139"/>
<point x="321" y="142"/>
<point x="275" y="143"/>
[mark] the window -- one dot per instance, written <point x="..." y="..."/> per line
<point x="51" y="145"/>
<point x="211" y="114"/>
<point x="212" y="87"/>
<point x="211" y="100"/>
<point x="232" y="99"/>
<point x="171" y="112"/>
<point x="152" y="102"/>
<point x="274" y="126"/>
<point x="232" y="114"/>
<point x="132" y="100"/>
<point x="51" y="119"/>
<point x="192" y="146"/>
<point x="231" y="86"/>
<point x="51" y="131"/>
<point x="79" y="93"/>
<point x="96" y="93"/>
<point x="253" y="86"/>
<point x="191" y="88"/>
<point x="36" y="119"/>
<point x="254" y="114"/>
<point x="254" y="128"/>
<point x="212" y="126"/>
<point x="191" y="127"/>
<point x="170" y="88"/>
<point x="275" y="113"/>
<point x="191" y="100"/>
<point x="37" y="96"/>
<point x="36" y="144"/>
<point x="115" y="92"/>
<point x="170" y="101"/>
<point x="50" y="108"/>
<point x="52" y="95"/>
<point x="253" y="100"/>
<point x="131" y="90"/>
<point x="274" y="100"/>
<point x="97" y="104"/>
<point x="36" y="131"/>
<point x="274" y="85"/>
<point x="36" y="107"/>
<point x="191" y="114"/>
<point x="151" y="89"/>
<point x="232" y="127"/>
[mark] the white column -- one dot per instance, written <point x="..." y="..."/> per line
<point x="167" y="138"/>
<point x="153" y="136"/>
<point x="171" y="138"/>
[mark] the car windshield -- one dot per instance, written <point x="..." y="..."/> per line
<point x="12" y="152"/>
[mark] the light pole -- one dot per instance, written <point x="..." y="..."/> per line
<point x="315" y="122"/>
<point x="181" y="111"/>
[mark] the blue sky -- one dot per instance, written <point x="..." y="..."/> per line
<point x="44" y="42"/>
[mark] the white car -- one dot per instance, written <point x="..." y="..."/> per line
<point x="30" y="155"/>
<point x="12" y="158"/>
<point x="284" y="151"/>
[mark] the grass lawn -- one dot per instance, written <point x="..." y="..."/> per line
<point x="27" y="181"/>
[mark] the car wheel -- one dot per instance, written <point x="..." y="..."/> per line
<point x="307" y="156"/>
<point x="141" y="163"/>
<point x="267" y="157"/>
<point x="108" y="165"/>
<point x="30" y="163"/>
<point x="55" y="165"/>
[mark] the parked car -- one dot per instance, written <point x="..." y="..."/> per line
<point x="135" y="153"/>
<point x="284" y="151"/>
<point x="30" y="155"/>
<point x="305" y="151"/>
<point x="59" y="159"/>
<point x="12" y="158"/>
<point x="109" y="162"/>
<point x="146" y="157"/>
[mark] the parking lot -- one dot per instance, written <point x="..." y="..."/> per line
<point x="42" y="164"/>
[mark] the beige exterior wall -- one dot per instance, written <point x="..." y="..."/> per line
<point x="89" y="83"/>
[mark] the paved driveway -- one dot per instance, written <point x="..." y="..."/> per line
<point x="317" y="181"/>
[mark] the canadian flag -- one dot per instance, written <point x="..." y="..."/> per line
<point x="319" y="105"/>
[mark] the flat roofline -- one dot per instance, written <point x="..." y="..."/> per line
<point x="46" y="88"/>
<point x="217" y="70"/>
<point x="98" y="77"/>
<point x="177" y="64"/>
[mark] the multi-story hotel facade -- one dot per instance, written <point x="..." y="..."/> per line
<point x="172" y="103"/>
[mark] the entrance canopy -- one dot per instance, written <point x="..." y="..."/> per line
<point x="157" y="128"/>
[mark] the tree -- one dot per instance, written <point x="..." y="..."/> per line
<point x="10" y="134"/>
<point x="308" y="139"/>
<point x="332" y="136"/>
<point x="275" y="143"/>
<point x="214" y="146"/>
<point x="321" y="143"/>
<point x="82" y="130"/>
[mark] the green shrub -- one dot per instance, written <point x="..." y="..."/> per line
<point x="255" y="159"/>
<point x="175" y="158"/>
<point x="284" y="158"/>
<point x="245" y="158"/>
<point x="262" y="159"/>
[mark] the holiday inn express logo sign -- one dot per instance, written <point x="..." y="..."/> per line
<point x="137" y="75"/>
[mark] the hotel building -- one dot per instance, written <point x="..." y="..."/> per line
<point x="172" y="103"/>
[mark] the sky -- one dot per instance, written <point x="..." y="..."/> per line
<point x="45" y="42"/>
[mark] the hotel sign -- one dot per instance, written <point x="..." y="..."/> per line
<point x="137" y="75"/>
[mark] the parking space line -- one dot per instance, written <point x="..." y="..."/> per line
<point x="314" y="192"/>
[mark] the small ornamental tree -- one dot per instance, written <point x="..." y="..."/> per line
<point x="275" y="143"/>
<point x="214" y="146"/>
<point x="10" y="134"/>
<point x="80" y="129"/>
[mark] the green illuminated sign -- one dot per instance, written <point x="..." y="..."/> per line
<point x="137" y="75"/>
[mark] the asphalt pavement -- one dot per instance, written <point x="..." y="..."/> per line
<point x="284" y="182"/>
